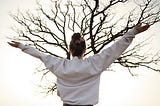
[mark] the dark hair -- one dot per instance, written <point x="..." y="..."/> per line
<point x="77" y="44"/>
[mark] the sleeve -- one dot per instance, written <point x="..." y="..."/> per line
<point x="32" y="51"/>
<point x="104" y="59"/>
<point x="49" y="61"/>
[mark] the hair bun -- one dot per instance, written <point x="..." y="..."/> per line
<point x="77" y="44"/>
<point x="76" y="36"/>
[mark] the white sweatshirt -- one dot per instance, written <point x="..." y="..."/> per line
<point x="78" y="79"/>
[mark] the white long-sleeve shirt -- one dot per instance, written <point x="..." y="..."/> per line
<point x="78" y="79"/>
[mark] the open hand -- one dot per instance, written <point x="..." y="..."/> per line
<point x="14" y="44"/>
<point x="141" y="28"/>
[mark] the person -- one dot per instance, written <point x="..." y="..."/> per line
<point x="78" y="79"/>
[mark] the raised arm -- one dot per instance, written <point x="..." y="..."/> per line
<point x="102" y="60"/>
<point x="50" y="62"/>
<point x="28" y="49"/>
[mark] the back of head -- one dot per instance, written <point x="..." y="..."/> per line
<point x="77" y="45"/>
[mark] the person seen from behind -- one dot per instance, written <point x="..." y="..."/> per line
<point x="78" y="79"/>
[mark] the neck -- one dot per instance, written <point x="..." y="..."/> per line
<point x="79" y="57"/>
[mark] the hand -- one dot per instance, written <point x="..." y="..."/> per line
<point x="14" y="44"/>
<point x="141" y="28"/>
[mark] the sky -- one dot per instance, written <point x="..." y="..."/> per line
<point x="17" y="78"/>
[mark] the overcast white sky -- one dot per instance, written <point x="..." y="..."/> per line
<point x="17" y="78"/>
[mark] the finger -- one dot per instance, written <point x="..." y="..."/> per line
<point x="146" y="26"/>
<point x="14" y="42"/>
<point x="11" y="44"/>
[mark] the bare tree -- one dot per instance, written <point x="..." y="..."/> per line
<point x="99" y="23"/>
